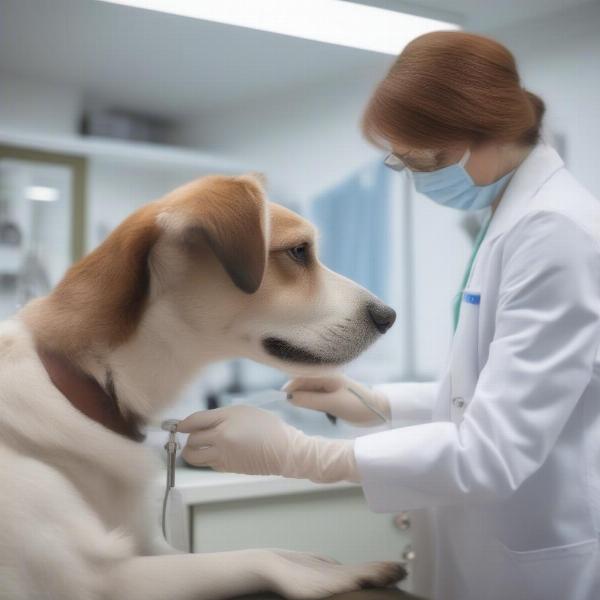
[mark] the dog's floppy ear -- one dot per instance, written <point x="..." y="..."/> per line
<point x="102" y="297"/>
<point x="230" y="217"/>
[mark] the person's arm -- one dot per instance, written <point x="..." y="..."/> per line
<point x="409" y="402"/>
<point x="246" y="439"/>
<point x="547" y="334"/>
<point x="253" y="441"/>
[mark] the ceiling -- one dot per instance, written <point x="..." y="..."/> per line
<point x="480" y="15"/>
<point x="182" y="67"/>
<point x="172" y="65"/>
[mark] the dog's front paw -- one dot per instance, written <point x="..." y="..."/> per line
<point x="302" y="576"/>
<point x="377" y="574"/>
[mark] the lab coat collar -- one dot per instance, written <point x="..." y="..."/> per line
<point x="541" y="163"/>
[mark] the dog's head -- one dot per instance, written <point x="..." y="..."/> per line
<point x="218" y="262"/>
<point x="245" y="273"/>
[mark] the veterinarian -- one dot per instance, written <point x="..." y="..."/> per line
<point x="505" y="450"/>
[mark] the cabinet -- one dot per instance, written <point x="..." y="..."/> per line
<point x="231" y="512"/>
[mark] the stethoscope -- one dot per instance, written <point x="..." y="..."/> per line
<point x="171" y="448"/>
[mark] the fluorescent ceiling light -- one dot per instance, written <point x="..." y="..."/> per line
<point x="330" y="21"/>
<point x="41" y="193"/>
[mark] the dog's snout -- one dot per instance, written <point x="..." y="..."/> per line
<point x="383" y="316"/>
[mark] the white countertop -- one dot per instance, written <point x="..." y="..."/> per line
<point x="203" y="486"/>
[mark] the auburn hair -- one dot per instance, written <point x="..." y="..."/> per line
<point x="450" y="87"/>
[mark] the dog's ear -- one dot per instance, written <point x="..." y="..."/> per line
<point x="230" y="217"/>
<point x="102" y="297"/>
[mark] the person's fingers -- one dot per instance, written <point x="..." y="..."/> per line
<point x="313" y="384"/>
<point x="203" y="437"/>
<point x="201" y="457"/>
<point x="314" y="400"/>
<point x="203" y="419"/>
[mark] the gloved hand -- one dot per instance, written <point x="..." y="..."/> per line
<point x="341" y="397"/>
<point x="246" y="439"/>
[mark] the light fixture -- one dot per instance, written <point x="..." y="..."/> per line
<point x="331" y="21"/>
<point x="41" y="193"/>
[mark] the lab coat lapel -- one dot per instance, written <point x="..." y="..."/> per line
<point x="463" y="373"/>
<point x="542" y="162"/>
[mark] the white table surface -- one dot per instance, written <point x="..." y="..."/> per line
<point x="203" y="486"/>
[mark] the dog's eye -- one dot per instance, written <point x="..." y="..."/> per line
<point x="299" y="253"/>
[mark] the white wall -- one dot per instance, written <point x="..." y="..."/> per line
<point x="308" y="138"/>
<point x="117" y="189"/>
<point x="559" y="59"/>
<point x="38" y="107"/>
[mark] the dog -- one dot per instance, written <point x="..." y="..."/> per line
<point x="209" y="272"/>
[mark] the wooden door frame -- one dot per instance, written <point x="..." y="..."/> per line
<point x="78" y="166"/>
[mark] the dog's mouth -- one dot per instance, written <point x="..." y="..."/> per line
<point x="286" y="351"/>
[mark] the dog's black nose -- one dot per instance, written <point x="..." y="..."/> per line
<point x="382" y="316"/>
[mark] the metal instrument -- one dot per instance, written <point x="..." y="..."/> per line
<point x="171" y="447"/>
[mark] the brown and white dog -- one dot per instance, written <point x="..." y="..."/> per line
<point x="209" y="272"/>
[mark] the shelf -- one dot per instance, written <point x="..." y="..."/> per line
<point x="122" y="151"/>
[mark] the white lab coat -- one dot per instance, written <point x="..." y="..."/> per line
<point x="509" y="460"/>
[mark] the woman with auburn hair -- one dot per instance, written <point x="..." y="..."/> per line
<point x="505" y="450"/>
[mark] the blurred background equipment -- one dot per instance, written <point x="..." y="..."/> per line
<point x="126" y="125"/>
<point x="41" y="210"/>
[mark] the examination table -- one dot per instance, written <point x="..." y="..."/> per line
<point x="381" y="594"/>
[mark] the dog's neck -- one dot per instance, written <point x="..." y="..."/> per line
<point x="150" y="369"/>
<point x="83" y="391"/>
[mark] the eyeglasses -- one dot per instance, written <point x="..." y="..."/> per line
<point x="427" y="160"/>
<point x="394" y="162"/>
<point x="421" y="161"/>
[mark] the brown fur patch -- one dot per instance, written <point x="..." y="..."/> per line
<point x="289" y="229"/>
<point x="231" y="222"/>
<point x="101" y="298"/>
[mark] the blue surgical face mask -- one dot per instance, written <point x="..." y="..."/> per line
<point x="452" y="186"/>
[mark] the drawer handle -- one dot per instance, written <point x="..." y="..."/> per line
<point x="402" y="521"/>
<point x="459" y="402"/>
<point x="408" y="554"/>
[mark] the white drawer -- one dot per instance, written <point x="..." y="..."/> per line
<point x="335" y="523"/>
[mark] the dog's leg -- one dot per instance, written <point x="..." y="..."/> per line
<point x="187" y="577"/>
<point x="158" y="546"/>
<point x="223" y="576"/>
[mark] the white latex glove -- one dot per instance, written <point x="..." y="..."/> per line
<point x="341" y="397"/>
<point x="246" y="439"/>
